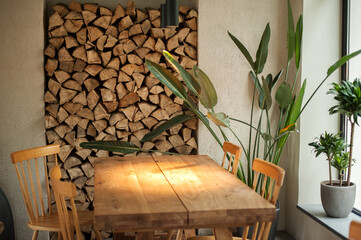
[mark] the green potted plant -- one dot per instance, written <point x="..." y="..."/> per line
<point x="337" y="200"/>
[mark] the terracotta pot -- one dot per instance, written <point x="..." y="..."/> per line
<point x="338" y="201"/>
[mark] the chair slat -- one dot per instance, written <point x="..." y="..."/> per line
<point x="27" y="194"/>
<point x="76" y="220"/>
<point x="33" y="191"/>
<point x="47" y="183"/>
<point x="28" y="208"/>
<point x="39" y="188"/>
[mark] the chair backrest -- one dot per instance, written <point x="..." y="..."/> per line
<point x="355" y="230"/>
<point x="27" y="169"/>
<point x="235" y="152"/>
<point x="61" y="190"/>
<point x="270" y="178"/>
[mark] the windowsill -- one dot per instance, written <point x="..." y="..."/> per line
<point x="339" y="226"/>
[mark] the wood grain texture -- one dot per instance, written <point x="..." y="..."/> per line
<point x="147" y="193"/>
<point x="132" y="193"/>
<point x="355" y="230"/>
<point x="212" y="196"/>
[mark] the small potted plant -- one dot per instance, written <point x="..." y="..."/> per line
<point x="337" y="198"/>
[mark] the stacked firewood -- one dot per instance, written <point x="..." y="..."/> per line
<point x="98" y="87"/>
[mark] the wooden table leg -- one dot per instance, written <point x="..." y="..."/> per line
<point x="222" y="233"/>
<point x="144" y="236"/>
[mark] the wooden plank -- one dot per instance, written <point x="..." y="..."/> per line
<point x="132" y="193"/>
<point x="212" y="196"/>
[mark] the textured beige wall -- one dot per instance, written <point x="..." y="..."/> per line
<point x="21" y="94"/>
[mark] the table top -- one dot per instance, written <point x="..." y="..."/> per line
<point x="162" y="192"/>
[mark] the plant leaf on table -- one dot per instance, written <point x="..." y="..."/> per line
<point x="112" y="146"/>
<point x="165" y="126"/>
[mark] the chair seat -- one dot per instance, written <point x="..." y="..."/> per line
<point x="50" y="222"/>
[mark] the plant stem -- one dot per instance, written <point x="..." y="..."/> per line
<point x="309" y="99"/>
<point x="295" y="80"/>
<point x="243" y="175"/>
<point x="350" y="157"/>
<point x="288" y="65"/>
<point x="250" y="136"/>
<point x="237" y="120"/>
<point x="255" y="145"/>
<point x="329" y="169"/>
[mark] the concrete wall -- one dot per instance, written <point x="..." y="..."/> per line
<point x="21" y="94"/>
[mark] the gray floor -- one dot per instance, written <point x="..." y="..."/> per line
<point x="283" y="235"/>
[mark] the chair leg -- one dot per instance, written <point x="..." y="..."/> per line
<point x="60" y="236"/>
<point x="179" y="234"/>
<point x="97" y="234"/>
<point x="170" y="234"/>
<point x="35" y="235"/>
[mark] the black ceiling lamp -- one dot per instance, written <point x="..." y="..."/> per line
<point x="169" y="14"/>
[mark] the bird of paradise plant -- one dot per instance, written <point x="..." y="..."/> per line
<point x="287" y="97"/>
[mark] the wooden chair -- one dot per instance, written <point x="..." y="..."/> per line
<point x="234" y="152"/>
<point x="355" y="230"/>
<point x="67" y="224"/>
<point x="27" y="164"/>
<point x="266" y="175"/>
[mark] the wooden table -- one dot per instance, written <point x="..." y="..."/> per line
<point x="173" y="192"/>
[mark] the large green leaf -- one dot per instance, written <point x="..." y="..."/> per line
<point x="259" y="89"/>
<point x="220" y="119"/>
<point x="191" y="83"/>
<point x="112" y="146"/>
<point x="277" y="77"/>
<point x="262" y="51"/>
<point x="284" y="95"/>
<point x="298" y="41"/>
<point x="243" y="50"/>
<point x="296" y="107"/>
<point x="165" y="126"/>
<point x="342" y="61"/>
<point x="290" y="33"/>
<point x="167" y="78"/>
<point x="208" y="95"/>
<point x="267" y="101"/>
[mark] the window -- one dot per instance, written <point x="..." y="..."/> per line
<point x="355" y="72"/>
